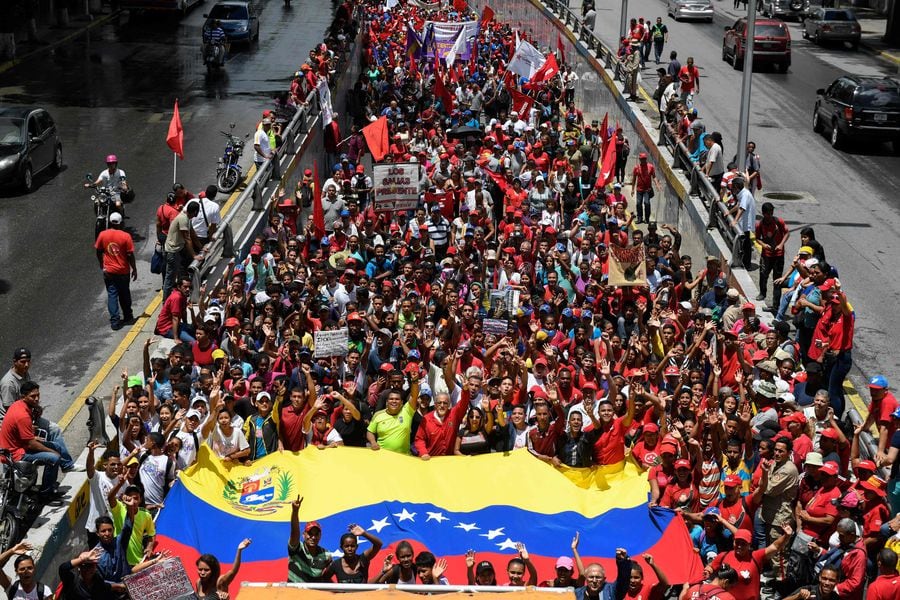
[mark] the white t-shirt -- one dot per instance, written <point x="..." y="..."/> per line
<point x="332" y="437"/>
<point x="261" y="138"/>
<point x="213" y="216"/>
<point x="188" y="453"/>
<point x="153" y="477"/>
<point x="100" y="485"/>
<point x="32" y="595"/>
<point x="224" y="445"/>
<point x="114" y="181"/>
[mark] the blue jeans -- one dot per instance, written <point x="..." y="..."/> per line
<point x="658" y="49"/>
<point x="118" y="293"/>
<point x="173" y="268"/>
<point x="56" y="441"/>
<point x="643" y="206"/>
<point x="51" y="461"/>
<point x="835" y="374"/>
<point x="185" y="333"/>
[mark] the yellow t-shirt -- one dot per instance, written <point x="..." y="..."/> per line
<point x="392" y="431"/>
<point x="143" y="527"/>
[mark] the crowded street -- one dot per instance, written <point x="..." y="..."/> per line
<point x="458" y="341"/>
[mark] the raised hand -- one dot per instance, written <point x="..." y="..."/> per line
<point x="243" y="545"/>
<point x="470" y="558"/>
<point x="357" y="530"/>
<point x="522" y="550"/>
<point x="575" y="541"/>
<point x="296" y="503"/>
<point x="439" y="568"/>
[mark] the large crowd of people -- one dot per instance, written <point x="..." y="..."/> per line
<point x="738" y="424"/>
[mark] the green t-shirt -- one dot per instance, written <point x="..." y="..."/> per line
<point x="143" y="527"/>
<point x="392" y="431"/>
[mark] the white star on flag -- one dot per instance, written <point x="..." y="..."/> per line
<point x="377" y="526"/>
<point x="405" y="515"/>
<point x="507" y="544"/>
<point x="436" y="516"/>
<point x="467" y="527"/>
<point x="337" y="553"/>
<point x="492" y="533"/>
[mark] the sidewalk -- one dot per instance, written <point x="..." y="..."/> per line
<point x="50" y="35"/>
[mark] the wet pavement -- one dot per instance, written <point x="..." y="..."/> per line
<point x="112" y="91"/>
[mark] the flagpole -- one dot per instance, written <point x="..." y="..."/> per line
<point x="174" y="168"/>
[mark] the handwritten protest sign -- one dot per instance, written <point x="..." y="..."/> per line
<point x="166" y="580"/>
<point x="331" y="343"/>
<point x="396" y="187"/>
<point x="495" y="326"/>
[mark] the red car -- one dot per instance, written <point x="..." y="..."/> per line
<point x="772" y="44"/>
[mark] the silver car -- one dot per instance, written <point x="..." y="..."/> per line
<point x="785" y="9"/>
<point x="699" y="10"/>
<point x="832" y="25"/>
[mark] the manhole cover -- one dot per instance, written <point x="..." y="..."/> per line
<point x="784" y="196"/>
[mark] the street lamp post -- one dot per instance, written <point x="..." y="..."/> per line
<point x="746" y="84"/>
<point x="623" y="22"/>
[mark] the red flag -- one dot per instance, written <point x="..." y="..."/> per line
<point x="561" y="48"/>
<point x="413" y="68"/>
<point x="376" y="134"/>
<point x="608" y="165"/>
<point x="546" y="72"/>
<point x="318" y="211"/>
<point x="521" y="103"/>
<point x="498" y="179"/>
<point x="460" y="5"/>
<point x="487" y="15"/>
<point x="175" y="137"/>
<point x="440" y="90"/>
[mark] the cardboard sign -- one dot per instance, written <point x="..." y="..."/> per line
<point x="495" y="326"/>
<point x="627" y="266"/>
<point x="503" y="304"/>
<point x="331" y="343"/>
<point x="396" y="187"/>
<point x="166" y="580"/>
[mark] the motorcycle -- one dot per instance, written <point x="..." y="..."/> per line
<point x="214" y="56"/>
<point x="228" y="171"/>
<point x="17" y="478"/>
<point x="102" y="198"/>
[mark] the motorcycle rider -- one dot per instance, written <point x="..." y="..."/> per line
<point x="113" y="178"/>
<point x="214" y="40"/>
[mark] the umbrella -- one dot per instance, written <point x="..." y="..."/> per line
<point x="464" y="131"/>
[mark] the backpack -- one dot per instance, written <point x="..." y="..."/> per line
<point x="707" y="594"/>
<point x="14" y="588"/>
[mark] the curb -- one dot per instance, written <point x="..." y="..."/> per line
<point x="95" y="23"/>
<point x="882" y="54"/>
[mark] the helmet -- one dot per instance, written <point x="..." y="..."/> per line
<point x="112" y="158"/>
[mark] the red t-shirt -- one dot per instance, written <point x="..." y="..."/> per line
<point x="747" y="586"/>
<point x="771" y="232"/>
<point x="885" y="587"/>
<point x="820" y="506"/>
<point x="174" y="306"/>
<point x="663" y="479"/>
<point x="678" y="496"/>
<point x="708" y="591"/>
<point x="164" y="214"/>
<point x="688" y="77"/>
<point x="203" y="357"/>
<point x="643" y="176"/>
<point x="737" y="515"/>
<point x="609" y="448"/>
<point x="873" y="519"/>
<point x="648" y="457"/>
<point x="291" y="426"/>
<point x="17" y="429"/>
<point x="116" y="246"/>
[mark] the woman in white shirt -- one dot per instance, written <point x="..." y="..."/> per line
<point x="228" y="442"/>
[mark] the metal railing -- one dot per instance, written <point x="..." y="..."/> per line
<point x="222" y="246"/>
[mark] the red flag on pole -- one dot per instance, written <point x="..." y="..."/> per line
<point x="608" y="164"/>
<point x="318" y="211"/>
<point x="521" y="103"/>
<point x="440" y="90"/>
<point x="561" y="48"/>
<point x="376" y="134"/>
<point x="175" y="137"/>
<point x="460" y="5"/>
<point x="546" y="72"/>
<point x="487" y="15"/>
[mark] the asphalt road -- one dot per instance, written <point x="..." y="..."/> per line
<point x="852" y="195"/>
<point x="112" y="91"/>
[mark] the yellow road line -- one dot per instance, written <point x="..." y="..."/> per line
<point x="856" y="400"/>
<point x="135" y="330"/>
<point x="649" y="99"/>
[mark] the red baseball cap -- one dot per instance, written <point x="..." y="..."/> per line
<point x="829" y="468"/>
<point x="651" y="428"/>
<point x="830" y="433"/>
<point x="868" y="465"/>
<point x="312" y="525"/>
<point x="682" y="463"/>
<point x="742" y="535"/>
<point x="733" y="480"/>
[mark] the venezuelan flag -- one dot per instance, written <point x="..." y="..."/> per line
<point x="447" y="505"/>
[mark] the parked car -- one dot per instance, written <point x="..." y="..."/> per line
<point x="690" y="9"/>
<point x="785" y="9"/>
<point x="29" y="144"/>
<point x="771" y="44"/>
<point x="239" y="19"/>
<point x="856" y="107"/>
<point x="171" y="6"/>
<point x="832" y="25"/>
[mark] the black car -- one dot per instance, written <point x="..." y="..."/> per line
<point x="29" y="143"/>
<point x="855" y="107"/>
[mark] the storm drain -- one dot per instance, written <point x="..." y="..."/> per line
<point x="788" y="197"/>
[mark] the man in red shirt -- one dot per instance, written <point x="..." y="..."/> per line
<point x="436" y="435"/>
<point x="689" y="77"/>
<point x="833" y="336"/>
<point x="772" y="233"/>
<point x="887" y="585"/>
<point x="171" y="321"/>
<point x="747" y="562"/>
<point x="17" y="436"/>
<point x="115" y="253"/>
<point x="881" y="408"/>
<point x="642" y="179"/>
